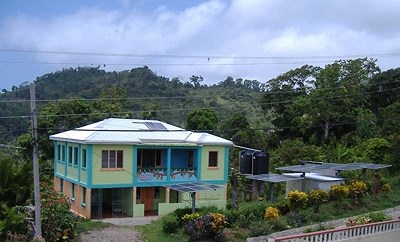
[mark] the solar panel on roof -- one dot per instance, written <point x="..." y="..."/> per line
<point x="155" y="126"/>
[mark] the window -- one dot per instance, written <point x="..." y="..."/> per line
<point x="149" y="158"/>
<point x="69" y="155"/>
<point x="59" y="152"/>
<point x="64" y="152"/>
<point x="156" y="192"/>
<point x="61" y="185"/>
<point x="112" y="159"/>
<point x="83" y="195"/>
<point x="72" y="191"/>
<point x="84" y="159"/>
<point x="213" y="159"/>
<point x="190" y="159"/>
<point x="76" y="151"/>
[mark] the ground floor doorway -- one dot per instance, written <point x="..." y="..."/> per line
<point x="111" y="203"/>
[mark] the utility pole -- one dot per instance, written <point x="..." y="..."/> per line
<point x="36" y="185"/>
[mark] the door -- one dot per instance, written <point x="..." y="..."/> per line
<point x="96" y="203"/>
<point x="147" y="197"/>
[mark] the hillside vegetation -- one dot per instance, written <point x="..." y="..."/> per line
<point x="137" y="92"/>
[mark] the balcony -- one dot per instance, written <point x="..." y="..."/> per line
<point x="155" y="175"/>
<point x="163" y="165"/>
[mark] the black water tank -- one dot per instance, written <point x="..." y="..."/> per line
<point x="260" y="162"/>
<point x="246" y="162"/>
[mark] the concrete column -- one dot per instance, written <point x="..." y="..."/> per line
<point x="134" y="195"/>
<point x="167" y="190"/>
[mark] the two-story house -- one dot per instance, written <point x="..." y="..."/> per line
<point x="122" y="167"/>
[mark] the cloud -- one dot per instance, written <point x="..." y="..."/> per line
<point x="213" y="28"/>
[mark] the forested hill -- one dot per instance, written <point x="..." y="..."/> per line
<point x="136" y="93"/>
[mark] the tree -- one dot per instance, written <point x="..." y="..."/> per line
<point x="233" y="124"/>
<point x="390" y="119"/>
<point x="150" y="111"/>
<point x="281" y="92"/>
<point x="338" y="92"/>
<point x="196" y="80"/>
<point x="384" y="89"/>
<point x="202" y="119"/>
<point x="318" y="103"/>
<point x="112" y="102"/>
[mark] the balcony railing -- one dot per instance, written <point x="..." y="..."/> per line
<point x="161" y="174"/>
<point x="343" y="234"/>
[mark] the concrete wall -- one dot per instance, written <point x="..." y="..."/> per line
<point x="77" y="204"/>
<point x="212" y="173"/>
<point x="116" y="176"/>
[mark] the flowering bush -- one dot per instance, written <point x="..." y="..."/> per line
<point x="271" y="213"/>
<point x="339" y="192"/>
<point x="218" y="222"/>
<point x="386" y="188"/>
<point x="357" y="189"/>
<point x="297" y="199"/>
<point x="58" y="222"/>
<point x="317" y="197"/>
<point x="189" y="217"/>
<point x="209" y="226"/>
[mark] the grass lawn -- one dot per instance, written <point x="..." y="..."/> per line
<point x="153" y="233"/>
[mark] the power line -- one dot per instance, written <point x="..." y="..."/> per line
<point x="163" y="64"/>
<point x="182" y="56"/>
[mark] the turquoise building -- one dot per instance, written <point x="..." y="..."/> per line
<point x="123" y="167"/>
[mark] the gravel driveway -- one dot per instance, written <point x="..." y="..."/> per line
<point x="121" y="230"/>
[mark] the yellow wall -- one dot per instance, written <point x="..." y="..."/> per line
<point x="211" y="173"/>
<point x="112" y="176"/>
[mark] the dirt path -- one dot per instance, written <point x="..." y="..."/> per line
<point x="113" y="233"/>
<point x="122" y="229"/>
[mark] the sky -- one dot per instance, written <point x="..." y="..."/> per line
<point x="249" y="39"/>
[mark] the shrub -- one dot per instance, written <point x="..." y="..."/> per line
<point x="180" y="212"/>
<point x="244" y="221"/>
<point x="260" y="228"/>
<point x="189" y="217"/>
<point x="378" y="217"/>
<point x="58" y="222"/>
<point x="283" y="207"/>
<point x="357" y="189"/>
<point x="320" y="227"/>
<point x="369" y="218"/>
<point x="208" y="226"/>
<point x="297" y="219"/>
<point x="271" y="213"/>
<point x="13" y="225"/>
<point x="386" y="188"/>
<point x="297" y="200"/>
<point x="358" y="220"/>
<point x="219" y="222"/>
<point x="339" y="192"/>
<point x="232" y="216"/>
<point x="170" y="224"/>
<point x="317" y="197"/>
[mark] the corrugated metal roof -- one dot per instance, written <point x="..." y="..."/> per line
<point x="136" y="131"/>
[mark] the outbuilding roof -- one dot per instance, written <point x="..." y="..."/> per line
<point x="137" y="131"/>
